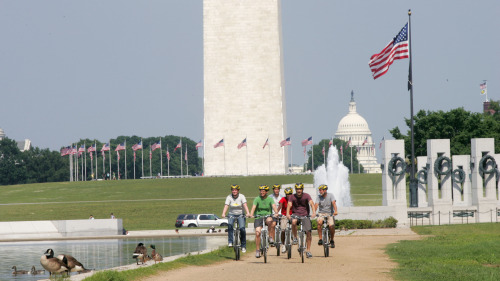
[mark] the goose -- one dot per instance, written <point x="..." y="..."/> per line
<point x="33" y="271"/>
<point x="73" y="264"/>
<point x="16" y="272"/>
<point x="53" y="265"/>
<point x="154" y="255"/>
<point x="140" y="253"/>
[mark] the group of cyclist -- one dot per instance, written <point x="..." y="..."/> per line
<point x="268" y="207"/>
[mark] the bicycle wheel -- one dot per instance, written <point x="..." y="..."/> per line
<point x="264" y="245"/>
<point x="301" y="246"/>
<point x="326" y="244"/>
<point x="277" y="241"/>
<point x="236" y="243"/>
<point x="288" y="243"/>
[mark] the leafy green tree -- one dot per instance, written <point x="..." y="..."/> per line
<point x="319" y="158"/>
<point x="458" y="125"/>
<point x="12" y="166"/>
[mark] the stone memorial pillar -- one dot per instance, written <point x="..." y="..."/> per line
<point x="439" y="180"/>
<point x="422" y="181"/>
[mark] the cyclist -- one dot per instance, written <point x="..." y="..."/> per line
<point x="284" y="220"/>
<point x="263" y="206"/>
<point x="276" y="197"/>
<point x="299" y="204"/>
<point x="236" y="203"/>
<point x="326" y="206"/>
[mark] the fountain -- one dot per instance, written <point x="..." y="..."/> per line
<point x="336" y="176"/>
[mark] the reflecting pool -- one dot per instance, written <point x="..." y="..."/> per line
<point x="94" y="254"/>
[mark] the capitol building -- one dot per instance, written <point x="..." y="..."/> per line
<point x="355" y="127"/>
<point x="22" y="145"/>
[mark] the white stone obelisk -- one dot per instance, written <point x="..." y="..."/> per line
<point x="244" y="94"/>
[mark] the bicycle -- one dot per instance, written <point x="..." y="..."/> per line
<point x="277" y="236"/>
<point x="325" y="231"/>
<point x="302" y="236"/>
<point x="264" y="236"/>
<point x="288" y="239"/>
<point x="236" y="235"/>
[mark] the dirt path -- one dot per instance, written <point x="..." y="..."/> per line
<point x="358" y="256"/>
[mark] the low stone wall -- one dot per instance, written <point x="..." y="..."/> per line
<point x="60" y="229"/>
<point x="375" y="213"/>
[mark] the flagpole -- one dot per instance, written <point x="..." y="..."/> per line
<point x="118" y="165"/>
<point x="247" y="152"/>
<point x="312" y="153"/>
<point x="413" y="181"/>
<point x="161" y="160"/>
<point x="168" y="163"/>
<point x="125" y="151"/>
<point x="103" y="159"/>
<point x="109" y="153"/>
<point x="203" y="159"/>
<point x="85" y="157"/>
<point x="142" y="157"/>
<point x="181" y="156"/>
<point x="291" y="158"/>
<point x="187" y="162"/>
<point x="352" y="172"/>
<point x="96" y="173"/>
<point x="134" y="162"/>
<point x="150" y="168"/>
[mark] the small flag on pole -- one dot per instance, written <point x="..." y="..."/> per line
<point x="118" y="155"/>
<point x="137" y="146"/>
<point x="199" y="144"/>
<point x="65" y="150"/>
<point x="121" y="146"/>
<point x="220" y="143"/>
<point x="266" y="143"/>
<point x="242" y="143"/>
<point x="307" y="141"/>
<point x="105" y="147"/>
<point x="330" y="142"/>
<point x="168" y="155"/>
<point x="134" y="156"/>
<point x="82" y="148"/>
<point x="380" y="145"/>
<point x="348" y="143"/>
<point x="398" y="48"/>
<point x="285" y="142"/>
<point x="365" y="141"/>
<point x="483" y="87"/>
<point x="178" y="146"/>
<point x="304" y="151"/>
<point x="91" y="148"/>
<point x="155" y="146"/>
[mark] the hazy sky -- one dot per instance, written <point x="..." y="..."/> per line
<point x="100" y="69"/>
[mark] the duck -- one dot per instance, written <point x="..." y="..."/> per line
<point x="154" y="255"/>
<point x="73" y="264"/>
<point x="33" y="271"/>
<point x="16" y="272"/>
<point x="140" y="253"/>
<point x="52" y="264"/>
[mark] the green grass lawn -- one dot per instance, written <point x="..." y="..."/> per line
<point x="150" y="204"/>
<point x="451" y="252"/>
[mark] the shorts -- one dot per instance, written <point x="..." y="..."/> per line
<point x="283" y="222"/>
<point x="258" y="223"/>
<point x="306" y="224"/>
<point x="330" y="219"/>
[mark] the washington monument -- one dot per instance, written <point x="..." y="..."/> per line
<point x="244" y="88"/>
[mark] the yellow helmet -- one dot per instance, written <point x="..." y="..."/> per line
<point x="323" y="186"/>
<point x="278" y="186"/>
<point x="299" y="185"/>
<point x="264" y="187"/>
<point x="288" y="190"/>
<point x="235" y="186"/>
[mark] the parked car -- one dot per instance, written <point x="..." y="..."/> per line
<point x="186" y="220"/>
<point x="201" y="220"/>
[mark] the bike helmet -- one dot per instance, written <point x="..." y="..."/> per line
<point x="323" y="186"/>
<point x="235" y="186"/>
<point x="264" y="187"/>
<point x="278" y="186"/>
<point x="299" y="185"/>
<point x="288" y="190"/>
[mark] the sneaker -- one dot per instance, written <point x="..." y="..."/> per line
<point x="230" y="244"/>
<point x="320" y="242"/>
<point x="257" y="254"/>
<point x="243" y="250"/>
<point x="332" y="244"/>
<point x="309" y="255"/>
<point x="295" y="241"/>
<point x="283" y="249"/>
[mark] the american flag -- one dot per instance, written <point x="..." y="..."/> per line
<point x="178" y="146"/>
<point x="91" y="156"/>
<point x="341" y="150"/>
<point x="199" y="144"/>
<point x="304" y="151"/>
<point x="285" y="142"/>
<point x="137" y="146"/>
<point x="397" y="49"/>
<point x="380" y="145"/>
<point x="91" y="148"/>
<point x="118" y="155"/>
<point x="82" y="148"/>
<point x="220" y="143"/>
<point x="73" y="150"/>
<point x="323" y="151"/>
<point x="121" y="146"/>
<point x="168" y="155"/>
<point x="155" y="146"/>
<point x="134" y="156"/>
<point x="150" y="153"/>
<point x="186" y="155"/>
<point x="242" y="143"/>
<point x="307" y="141"/>
<point x="483" y="88"/>
<point x="65" y="150"/>
<point x="348" y="142"/>
<point x="330" y="142"/>
<point x="105" y="147"/>
<point x="365" y="141"/>
<point x="266" y="143"/>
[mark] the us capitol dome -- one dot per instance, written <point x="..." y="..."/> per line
<point x="354" y="127"/>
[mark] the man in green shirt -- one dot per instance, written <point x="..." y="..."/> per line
<point x="263" y="206"/>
